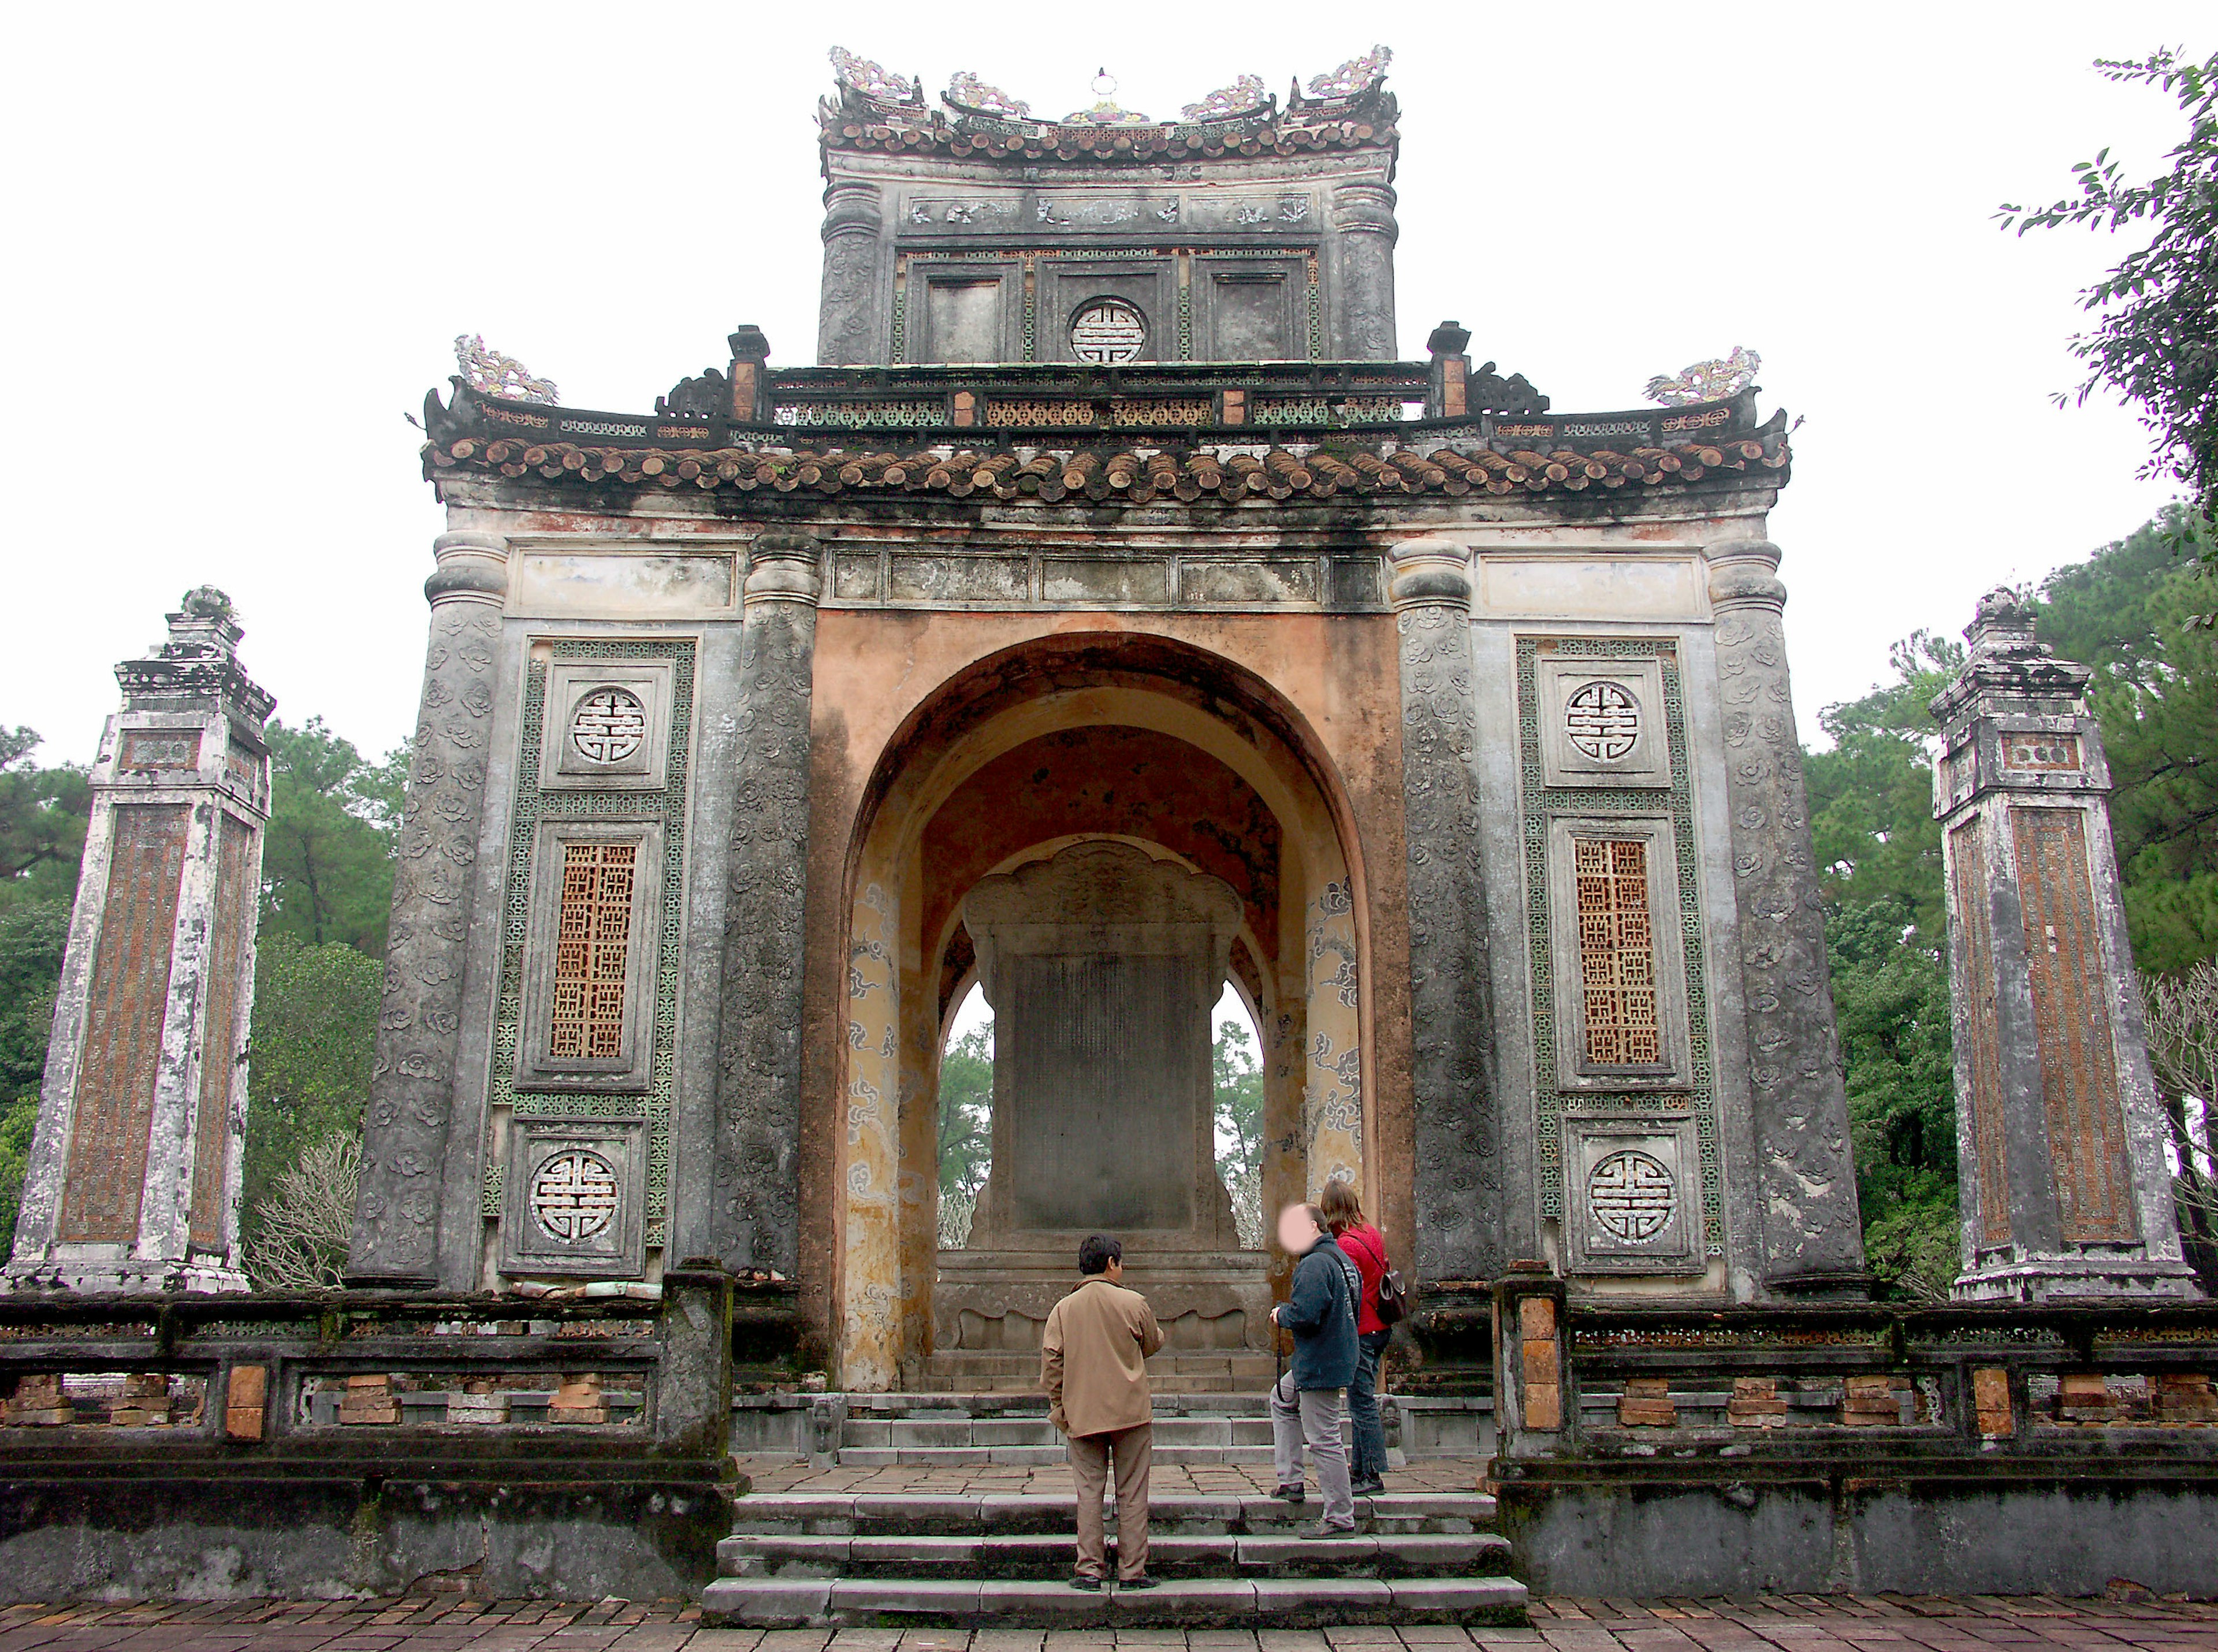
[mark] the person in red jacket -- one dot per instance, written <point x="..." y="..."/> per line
<point x="1365" y="1247"/>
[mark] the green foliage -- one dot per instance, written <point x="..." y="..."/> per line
<point x="1879" y="848"/>
<point x="42" y="819"/>
<point x="2131" y="612"/>
<point x="1871" y="795"/>
<point x="328" y="856"/>
<point x="1239" y="1081"/>
<point x="32" y="936"/>
<point x="2155" y="338"/>
<point x="966" y="1112"/>
<point x="315" y="1026"/>
<point x="18" y="1120"/>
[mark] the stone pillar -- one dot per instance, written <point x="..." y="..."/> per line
<point x="849" y="330"/>
<point x="756" y="1196"/>
<point x="2062" y="1179"/>
<point x="1806" y="1179"/>
<point x="404" y="1129"/>
<point x="1459" y="1127"/>
<point x="134" y="1178"/>
<point x="1363" y="216"/>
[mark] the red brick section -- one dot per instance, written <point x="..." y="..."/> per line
<point x="2071" y="1021"/>
<point x="130" y="994"/>
<point x="452" y="1621"/>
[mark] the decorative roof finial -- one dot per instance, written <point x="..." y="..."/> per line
<point x="1105" y="113"/>
<point x="1716" y="379"/>
<point x="489" y="373"/>
<point x="1353" y="77"/>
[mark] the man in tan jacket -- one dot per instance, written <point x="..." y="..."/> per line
<point x="1092" y="1365"/>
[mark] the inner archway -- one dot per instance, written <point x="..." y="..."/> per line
<point x="1088" y="746"/>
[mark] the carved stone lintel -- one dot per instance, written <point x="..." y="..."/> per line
<point x="1458" y="1135"/>
<point x="756" y="1192"/>
<point x="1806" y="1179"/>
<point x="404" y="1127"/>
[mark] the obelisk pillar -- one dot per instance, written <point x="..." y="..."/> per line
<point x="1806" y="1180"/>
<point x="756" y="1191"/>
<point x="2062" y="1182"/>
<point x="133" y="1178"/>
<point x="1458" y="1130"/>
<point x="405" y="1126"/>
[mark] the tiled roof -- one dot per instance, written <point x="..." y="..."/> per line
<point x="1127" y="476"/>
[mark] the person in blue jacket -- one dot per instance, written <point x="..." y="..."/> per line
<point x="1307" y="1402"/>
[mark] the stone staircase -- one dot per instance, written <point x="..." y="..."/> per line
<point x="896" y="1560"/>
<point x="1012" y="1429"/>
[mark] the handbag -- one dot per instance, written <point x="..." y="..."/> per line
<point x="1393" y="1304"/>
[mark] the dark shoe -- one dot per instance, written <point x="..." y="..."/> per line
<point x="1367" y="1488"/>
<point x="1085" y="1581"/>
<point x="1143" y="1582"/>
<point x="1293" y="1494"/>
<point x="1321" y="1532"/>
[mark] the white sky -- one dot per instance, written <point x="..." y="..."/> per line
<point x="241" y="240"/>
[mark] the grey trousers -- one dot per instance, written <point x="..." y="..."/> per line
<point x="1312" y="1416"/>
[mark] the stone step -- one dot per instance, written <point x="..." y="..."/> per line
<point x="961" y="1429"/>
<point x="934" y="1406"/>
<point x="1184" y="1514"/>
<point x="1278" y="1554"/>
<point x="1032" y="1457"/>
<point x="1227" y="1602"/>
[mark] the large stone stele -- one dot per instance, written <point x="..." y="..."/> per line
<point x="1102" y="966"/>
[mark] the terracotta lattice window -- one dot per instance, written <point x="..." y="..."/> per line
<point x="1617" y="952"/>
<point x="591" y="950"/>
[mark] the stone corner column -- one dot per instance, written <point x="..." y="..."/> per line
<point x="411" y="1087"/>
<point x="1805" y="1176"/>
<point x="756" y="1196"/>
<point x="1363" y="218"/>
<point x="849" y="330"/>
<point x="1457" y="1102"/>
<point x="2064" y="1188"/>
<point x="134" y="1178"/>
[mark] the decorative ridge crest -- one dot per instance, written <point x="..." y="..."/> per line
<point x="971" y="95"/>
<point x="1719" y="379"/>
<point x="491" y="374"/>
<point x="1243" y="96"/>
<point x="861" y="75"/>
<point x="1354" y="78"/>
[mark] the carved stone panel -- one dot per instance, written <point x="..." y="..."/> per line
<point x="1620" y="964"/>
<point x="575" y="1198"/>
<point x="1630" y="1207"/>
<point x="1602" y="723"/>
<point x="608" y="726"/>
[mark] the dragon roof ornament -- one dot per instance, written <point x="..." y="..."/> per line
<point x="1717" y="379"/>
<point x="1352" y="78"/>
<point x="491" y="374"/>
<point x="861" y="75"/>
<point x="1243" y="96"/>
<point x="971" y="95"/>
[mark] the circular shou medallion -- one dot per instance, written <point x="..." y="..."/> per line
<point x="1632" y="1196"/>
<point x="574" y="1195"/>
<point x="1602" y="720"/>
<point x="1108" y="331"/>
<point x="608" y="725"/>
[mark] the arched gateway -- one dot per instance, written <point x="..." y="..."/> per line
<point x="1101" y="826"/>
<point x="1111" y="615"/>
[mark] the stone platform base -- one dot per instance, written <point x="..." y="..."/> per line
<point x="300" y="1537"/>
<point x="995" y="1301"/>
<point x="1866" y="1533"/>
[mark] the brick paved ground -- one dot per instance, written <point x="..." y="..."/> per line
<point x="449" y="1622"/>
